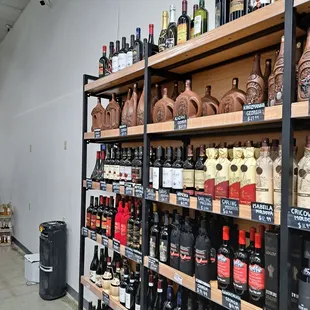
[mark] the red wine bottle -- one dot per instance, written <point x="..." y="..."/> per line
<point x="94" y="265"/>
<point x="89" y="211"/>
<point x="159" y="299"/>
<point x="94" y="175"/>
<point x="99" y="215"/>
<point x="225" y="262"/>
<point x="175" y="242"/>
<point x="164" y="242"/>
<point x="150" y="293"/>
<point x="189" y="172"/>
<point x="250" y="248"/>
<point x="154" y="237"/>
<point x="93" y="217"/>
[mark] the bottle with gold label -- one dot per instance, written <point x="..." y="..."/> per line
<point x="303" y="189"/>
<point x="210" y="163"/>
<point x="200" y="171"/>
<point x="189" y="172"/>
<point x="163" y="33"/>
<point x="234" y="172"/>
<point x="184" y="22"/>
<point x="264" y="175"/>
<point x="248" y="175"/>
<point x="222" y="173"/>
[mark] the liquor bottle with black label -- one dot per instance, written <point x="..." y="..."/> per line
<point x="159" y="299"/>
<point x="251" y="247"/>
<point x="163" y="33"/>
<point x="94" y="175"/>
<point x="169" y="303"/>
<point x="94" y="265"/>
<point x="111" y="52"/>
<point x="201" y="17"/>
<point x="150" y="293"/>
<point x="115" y="66"/>
<point x="137" y="47"/>
<point x="137" y="228"/>
<point x="100" y="269"/>
<point x="123" y="285"/>
<point x="157" y="169"/>
<point x="122" y="55"/>
<point x="189" y="172"/>
<point x="93" y="217"/>
<point x="184" y="22"/>
<point x="103" y="63"/>
<point x="200" y="171"/>
<point x="164" y="242"/>
<point x="175" y="242"/>
<point x="130" y="51"/>
<point x="240" y="270"/>
<point x="177" y="172"/>
<point x="171" y="40"/>
<point x="89" y="212"/>
<point x="257" y="274"/>
<point x="304" y="279"/>
<point x="154" y="237"/>
<point x="130" y="293"/>
<point x="225" y="258"/>
<point x="187" y="243"/>
<point x="128" y="168"/>
<point x="130" y="226"/>
<point x="151" y="167"/>
<point x="167" y="169"/>
<point x="99" y="215"/>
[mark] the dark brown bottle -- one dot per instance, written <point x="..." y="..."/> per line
<point x="189" y="172"/>
<point x="278" y="75"/>
<point x="177" y="172"/>
<point x="89" y="212"/>
<point x="250" y="248"/>
<point x="99" y="215"/>
<point x="200" y="171"/>
<point x="104" y="63"/>
<point x="137" y="47"/>
<point x="225" y="258"/>
<point x="257" y="274"/>
<point x="175" y="242"/>
<point x="167" y="169"/>
<point x="94" y="265"/>
<point x="158" y="169"/>
<point x="96" y="172"/>
<point x="164" y="242"/>
<point x="154" y="237"/>
<point x="175" y="92"/>
<point x="267" y="73"/>
<point x="255" y="86"/>
<point x="93" y="217"/>
<point x="184" y="22"/>
<point x="137" y="228"/>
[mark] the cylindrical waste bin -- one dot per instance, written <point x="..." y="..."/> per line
<point x="52" y="260"/>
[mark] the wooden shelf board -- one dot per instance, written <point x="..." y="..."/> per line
<point x="189" y="283"/>
<point x="5" y="230"/>
<point x="114" y="304"/>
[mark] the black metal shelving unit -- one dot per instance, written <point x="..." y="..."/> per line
<point x="291" y="19"/>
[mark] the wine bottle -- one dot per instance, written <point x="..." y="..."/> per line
<point x="163" y="33"/>
<point x="137" y="228"/>
<point x="138" y="297"/>
<point x="184" y="22"/>
<point x="304" y="278"/>
<point x="99" y="305"/>
<point x="157" y="169"/>
<point x="100" y="269"/>
<point x="137" y="166"/>
<point x="177" y="172"/>
<point x="94" y="175"/>
<point x="122" y="55"/>
<point x="221" y="12"/>
<point x="222" y="173"/>
<point x="171" y="40"/>
<point x="154" y="237"/>
<point x="169" y="303"/>
<point x="112" y="165"/>
<point x="118" y="218"/>
<point x="189" y="172"/>
<point x="93" y="217"/>
<point x="236" y="9"/>
<point x="115" y="283"/>
<point x="151" y="34"/>
<point x="164" y="242"/>
<point x="124" y="224"/>
<point x="107" y="165"/>
<point x="179" y="301"/>
<point x="116" y="165"/>
<point x="102" y="161"/>
<point x="250" y="248"/>
<point x="111" y="219"/>
<point x="225" y="262"/>
<point x="190" y="304"/>
<point x="122" y="167"/>
<point x="158" y="303"/>
<point x="151" y="168"/>
<point x="89" y="212"/>
<point x="94" y="265"/>
<point x="111" y="52"/>
<point x="210" y="171"/>
<point x="115" y="66"/>
<point x="104" y="216"/>
<point x="107" y="277"/>
<point x="137" y="47"/>
<point x="133" y="164"/>
<point x="123" y="285"/>
<point x="130" y="293"/>
<point x="175" y="242"/>
<point x="201" y="19"/>
<point x="150" y="293"/>
<point x="234" y="172"/>
<point x="130" y="224"/>
<point x="103" y="63"/>
<point x="257" y="274"/>
<point x="200" y="171"/>
<point x="195" y="8"/>
<point x="167" y="169"/>
<point x="130" y="51"/>
<point x="128" y="176"/>
<point x="99" y="215"/>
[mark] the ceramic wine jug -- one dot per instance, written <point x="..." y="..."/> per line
<point x="163" y="109"/>
<point x="278" y="75"/>
<point x="267" y="73"/>
<point x="233" y="100"/>
<point x="98" y="115"/>
<point x="113" y="112"/>
<point x="210" y="104"/>
<point x="129" y="112"/>
<point x="188" y="103"/>
<point x="140" y="110"/>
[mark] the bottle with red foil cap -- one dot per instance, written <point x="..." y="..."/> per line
<point x="118" y="218"/>
<point x="151" y="33"/>
<point x="89" y="212"/>
<point x="250" y="248"/>
<point x="99" y="214"/>
<point x="93" y="217"/>
<point x="225" y="257"/>
<point x="257" y="274"/>
<point x="104" y="217"/>
<point x="240" y="270"/>
<point x="124" y="224"/>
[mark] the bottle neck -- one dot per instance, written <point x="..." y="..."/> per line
<point x="138" y="34"/>
<point x="202" y="4"/>
<point x="184" y="8"/>
<point x="165" y="22"/>
<point x="172" y="16"/>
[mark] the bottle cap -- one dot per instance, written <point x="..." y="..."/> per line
<point x="258" y="243"/>
<point x="242" y="237"/>
<point x="104" y="48"/>
<point x="252" y="233"/>
<point x="225" y="233"/>
<point x="151" y="28"/>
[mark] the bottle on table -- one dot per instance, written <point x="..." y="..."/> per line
<point x="94" y="175"/>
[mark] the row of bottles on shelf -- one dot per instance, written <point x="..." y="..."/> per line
<point x="5" y="224"/>
<point x="6" y="209"/>
<point x="122" y="224"/>
<point x="5" y="239"/>
<point x="260" y="88"/>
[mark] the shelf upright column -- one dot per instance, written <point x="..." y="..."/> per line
<point x="287" y="149"/>
<point x="146" y="171"/>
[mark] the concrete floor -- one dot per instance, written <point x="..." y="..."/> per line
<point x="15" y="294"/>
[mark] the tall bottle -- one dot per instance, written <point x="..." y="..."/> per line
<point x="164" y="242"/>
<point x="235" y="172"/>
<point x="195" y="8"/>
<point x="107" y="277"/>
<point x="106" y="171"/>
<point x="222" y="173"/>
<point x="122" y="55"/>
<point x="93" y="217"/>
<point x="179" y="301"/>
<point x="150" y="293"/>
<point x="240" y="270"/>
<point x="103" y="63"/>
<point x="124" y="224"/>
<point x="138" y="297"/>
<point x="99" y="215"/>
<point x="303" y="190"/>
<point x="175" y="242"/>
<point x="303" y="69"/>
<point x="130" y="293"/>
<point x="187" y="243"/>
<point x="304" y="278"/>
<point x="157" y="169"/>
<point x="236" y="9"/>
<point x="137" y="229"/>
<point x="171" y="39"/>
<point x="128" y="167"/>
<point x="130" y="51"/>
<point x="122" y="166"/>
<point x="89" y="212"/>
<point x="104" y="216"/>
<point x="183" y="25"/>
<point x="278" y="74"/>
<point x="137" y="47"/>
<point x="112" y="165"/>
<point x="111" y="219"/>
<point x="251" y="247"/>
<point x="267" y="73"/>
<point x="257" y="274"/>
<point x="94" y="175"/>
<point x="221" y="12"/>
<point x="154" y="237"/>
<point x="130" y="224"/>
<point x="189" y="172"/>
<point x="118" y="219"/>
<point x="137" y="176"/>
<point x="167" y="169"/>
<point x="151" y="167"/>
<point x="159" y="299"/>
<point x="102" y="162"/>
<point x="115" y="66"/>
<point x="123" y="285"/>
<point x="111" y="52"/>
<point x="94" y="265"/>
<point x="177" y="172"/>
<point x="201" y="19"/>
<point x="200" y="171"/>
<point x="163" y="33"/>
<point x="225" y="262"/>
<point x="210" y="172"/>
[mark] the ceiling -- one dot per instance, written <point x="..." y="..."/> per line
<point x="9" y="13"/>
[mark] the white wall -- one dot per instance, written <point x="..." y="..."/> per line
<point x="42" y="61"/>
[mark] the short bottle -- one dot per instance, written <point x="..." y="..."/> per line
<point x="107" y="277"/>
<point x="94" y="265"/>
<point x="103" y="63"/>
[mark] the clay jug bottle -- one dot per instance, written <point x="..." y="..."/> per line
<point x="233" y="100"/>
<point x="163" y="109"/>
<point x="266" y="77"/>
<point x="175" y="93"/>
<point x="271" y="91"/>
<point x="297" y="58"/>
<point x="113" y="112"/>
<point x="140" y="110"/>
<point x="278" y="75"/>
<point x="132" y="109"/>
<point x="155" y="97"/>
<point x="210" y="104"/>
<point x="126" y="107"/>
<point x="188" y="103"/>
<point x="255" y="87"/>
<point x="98" y="116"/>
<point x="303" y="71"/>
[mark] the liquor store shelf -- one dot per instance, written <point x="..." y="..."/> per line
<point x="189" y="282"/>
<point x="227" y="120"/>
<point x="114" y="304"/>
<point x="244" y="210"/>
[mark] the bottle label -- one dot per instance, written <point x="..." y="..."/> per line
<point x="98" y="280"/>
<point x="167" y="177"/>
<point x="236" y="5"/>
<point x="234" y="179"/>
<point x="188" y="178"/>
<point x="93" y="222"/>
<point x="197" y="25"/>
<point x="156" y="176"/>
<point x="128" y="301"/>
<point x="116" y="173"/>
<point x="222" y="177"/>
<point x="129" y="58"/>
<point x="162" y="47"/>
<point x="247" y="181"/>
<point x="92" y="276"/>
<point x="128" y="174"/>
<point x="182" y="33"/>
<point x="104" y="223"/>
<point x="137" y="307"/>
<point x="153" y="246"/>
<point x="100" y="69"/>
<point x="170" y="42"/>
<point x="122" y="61"/>
<point x="256" y="281"/>
<point x="201" y="257"/>
<point x="240" y="275"/>
<point x="264" y="184"/>
<point x="199" y="179"/>
<point x="117" y="229"/>
<point x="163" y="251"/>
<point x="177" y="178"/>
<point x="136" y="174"/>
<point x="98" y="221"/>
<point x="174" y="250"/>
<point x="209" y="187"/>
<point x="122" y="295"/>
<point x="185" y="253"/>
<point x="151" y="175"/>
<point x="114" y="63"/>
<point x="88" y="216"/>
<point x="111" y="172"/>
<point x="108" y="231"/>
<point x="223" y="269"/>
<point x="123" y="231"/>
<point x="121" y="172"/>
<point x="106" y="171"/>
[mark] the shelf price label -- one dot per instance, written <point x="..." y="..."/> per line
<point x="299" y="218"/>
<point x="139" y="191"/>
<point x="103" y="186"/>
<point x="180" y="122"/>
<point x="97" y="133"/>
<point x="153" y="264"/>
<point x="128" y="189"/>
<point x="123" y="130"/>
<point x="93" y="236"/>
<point x="164" y="195"/>
<point x="116" y="245"/>
<point x="150" y="193"/>
<point x="129" y="253"/>
<point x="177" y="278"/>
<point x="254" y="112"/>
<point x="105" y="298"/>
<point x="105" y="241"/>
<point x="202" y="288"/>
<point x="229" y="207"/>
<point x="262" y="212"/>
<point x="115" y="187"/>
<point x="231" y="301"/>
<point x="89" y="184"/>
<point x="84" y="232"/>
<point x="204" y="203"/>
<point x="183" y="199"/>
<point x="137" y="256"/>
